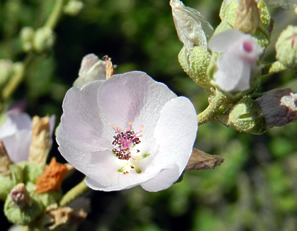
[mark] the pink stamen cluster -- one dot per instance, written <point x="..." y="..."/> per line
<point x="124" y="141"/>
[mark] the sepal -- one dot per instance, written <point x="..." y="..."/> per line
<point x="246" y="116"/>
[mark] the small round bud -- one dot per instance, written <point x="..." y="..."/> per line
<point x="278" y="106"/>
<point x="286" y="48"/>
<point x="195" y="65"/>
<point x="19" y="216"/>
<point x="27" y="35"/>
<point x="20" y="196"/>
<point x="73" y="7"/>
<point x="246" y="116"/>
<point x="44" y="39"/>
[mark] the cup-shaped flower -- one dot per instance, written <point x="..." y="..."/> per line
<point x="16" y="133"/>
<point x="237" y="65"/>
<point x="126" y="131"/>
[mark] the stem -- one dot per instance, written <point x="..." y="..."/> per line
<point x="208" y="114"/>
<point x="55" y="15"/>
<point x="74" y="193"/>
<point x="273" y="68"/>
<point x="16" y="78"/>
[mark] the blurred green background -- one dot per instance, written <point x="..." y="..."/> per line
<point x="254" y="189"/>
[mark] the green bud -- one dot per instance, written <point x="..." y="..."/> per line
<point x="16" y="173"/>
<point x="286" y="48"/>
<point x="22" y="216"/>
<point x="195" y="65"/>
<point x="246" y="116"/>
<point x="228" y="16"/>
<point x="6" y="185"/>
<point x="73" y="7"/>
<point x="44" y="39"/>
<point x="27" y="36"/>
<point x="31" y="171"/>
<point x="45" y="199"/>
<point x="228" y="11"/>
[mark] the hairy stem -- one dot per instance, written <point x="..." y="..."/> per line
<point x="74" y="193"/>
<point x="208" y="114"/>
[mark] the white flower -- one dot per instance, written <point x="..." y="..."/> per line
<point x="125" y="131"/>
<point x="237" y="65"/>
<point x="16" y="132"/>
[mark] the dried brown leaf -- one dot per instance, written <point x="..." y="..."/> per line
<point x="52" y="177"/>
<point x="200" y="160"/>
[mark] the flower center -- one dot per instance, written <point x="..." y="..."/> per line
<point x="124" y="143"/>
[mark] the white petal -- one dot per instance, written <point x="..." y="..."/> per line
<point x="174" y="136"/>
<point x="133" y="97"/>
<point x="14" y="123"/>
<point x="126" y="181"/>
<point x="17" y="145"/>
<point x="81" y="119"/>
<point x="223" y="41"/>
<point x="229" y="73"/>
<point x="101" y="164"/>
<point x="163" y="180"/>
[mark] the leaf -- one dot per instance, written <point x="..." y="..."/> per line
<point x="200" y="160"/>
<point x="52" y="177"/>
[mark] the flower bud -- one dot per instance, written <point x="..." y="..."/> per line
<point x="45" y="199"/>
<point x="13" y="211"/>
<point x="16" y="173"/>
<point x="92" y="68"/>
<point x="246" y="21"/>
<point x="286" y="48"/>
<point x="192" y="29"/>
<point x="6" y="185"/>
<point x="41" y="140"/>
<point x="228" y="11"/>
<point x="20" y="196"/>
<point x="27" y="36"/>
<point x="278" y="106"/>
<point x="31" y="171"/>
<point x="246" y="116"/>
<point x="236" y="67"/>
<point x="247" y="16"/>
<point x="195" y="65"/>
<point x="44" y="39"/>
<point x="73" y="8"/>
